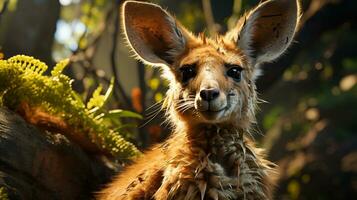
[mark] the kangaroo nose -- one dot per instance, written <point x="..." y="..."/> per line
<point x="209" y="94"/>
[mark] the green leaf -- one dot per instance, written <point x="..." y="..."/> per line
<point x="109" y="92"/>
<point x="98" y="100"/>
<point x="118" y="113"/>
<point x="124" y="127"/>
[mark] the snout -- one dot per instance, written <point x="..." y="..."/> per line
<point x="209" y="94"/>
<point x="211" y="103"/>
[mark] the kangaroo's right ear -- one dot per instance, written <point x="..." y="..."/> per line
<point x="153" y="34"/>
<point x="267" y="31"/>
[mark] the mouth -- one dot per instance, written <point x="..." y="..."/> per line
<point x="212" y="114"/>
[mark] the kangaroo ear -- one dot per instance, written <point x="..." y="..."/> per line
<point x="267" y="31"/>
<point x="153" y="33"/>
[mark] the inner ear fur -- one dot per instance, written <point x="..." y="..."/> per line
<point x="267" y="31"/>
<point x="153" y="34"/>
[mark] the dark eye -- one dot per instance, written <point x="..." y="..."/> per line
<point x="235" y="72"/>
<point x="188" y="72"/>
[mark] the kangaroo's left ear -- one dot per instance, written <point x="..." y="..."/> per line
<point x="267" y="31"/>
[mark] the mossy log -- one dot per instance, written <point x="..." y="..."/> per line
<point x="36" y="164"/>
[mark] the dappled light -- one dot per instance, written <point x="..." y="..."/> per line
<point x="105" y="105"/>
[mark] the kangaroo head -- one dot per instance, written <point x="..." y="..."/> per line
<point x="211" y="80"/>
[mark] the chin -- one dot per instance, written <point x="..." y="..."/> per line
<point x="205" y="117"/>
<point x="213" y="117"/>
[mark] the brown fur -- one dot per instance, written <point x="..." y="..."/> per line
<point x="211" y="153"/>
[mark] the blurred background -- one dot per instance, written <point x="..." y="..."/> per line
<point x="308" y="123"/>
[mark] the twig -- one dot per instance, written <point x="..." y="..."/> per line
<point x="84" y="56"/>
<point x="141" y="73"/>
<point x="102" y="27"/>
<point x="236" y="12"/>
<point x="113" y="56"/>
<point x="89" y="15"/>
<point x="4" y="8"/>
<point x="207" y="11"/>
<point x="314" y="7"/>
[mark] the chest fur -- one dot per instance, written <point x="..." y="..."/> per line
<point x="225" y="166"/>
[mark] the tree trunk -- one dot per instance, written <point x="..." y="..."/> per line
<point x="30" y="28"/>
<point x="35" y="164"/>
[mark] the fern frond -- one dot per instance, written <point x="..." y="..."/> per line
<point x="97" y="99"/>
<point x="58" y="69"/>
<point x="21" y="80"/>
<point x="28" y="63"/>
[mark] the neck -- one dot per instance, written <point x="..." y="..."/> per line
<point x="224" y="151"/>
<point x="220" y="143"/>
<point x="207" y="131"/>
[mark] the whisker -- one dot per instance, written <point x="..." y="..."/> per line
<point x="159" y="103"/>
<point x="152" y="118"/>
<point x="183" y="100"/>
<point x="188" y="108"/>
<point x="166" y="122"/>
<point x="184" y="105"/>
<point x="153" y="112"/>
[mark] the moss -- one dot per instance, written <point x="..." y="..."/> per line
<point x="22" y="80"/>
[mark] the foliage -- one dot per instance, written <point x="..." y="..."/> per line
<point x="22" y="80"/>
<point x="84" y="22"/>
<point x="310" y="124"/>
<point x="3" y="194"/>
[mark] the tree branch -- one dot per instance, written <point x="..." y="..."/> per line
<point x="84" y="56"/>
<point x="4" y="7"/>
<point x="113" y="54"/>
<point x="142" y="133"/>
<point x="207" y="11"/>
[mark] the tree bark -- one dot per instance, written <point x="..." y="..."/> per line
<point x="30" y="28"/>
<point x="35" y="164"/>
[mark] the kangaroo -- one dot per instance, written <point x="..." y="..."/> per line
<point x="211" y="104"/>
